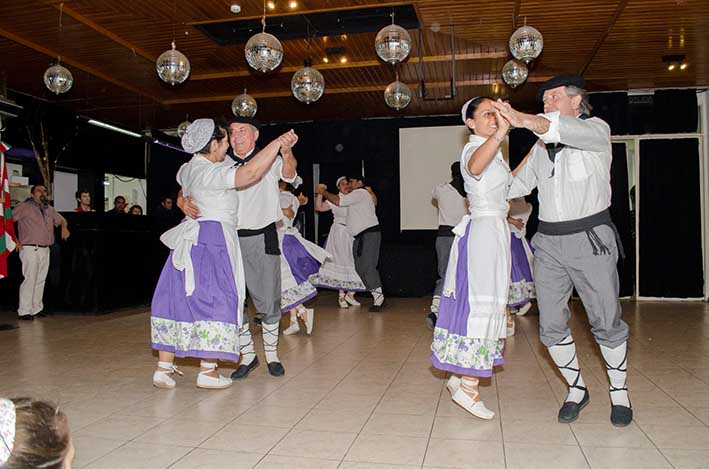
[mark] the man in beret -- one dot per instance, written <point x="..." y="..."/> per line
<point x="259" y="210"/>
<point x="576" y="245"/>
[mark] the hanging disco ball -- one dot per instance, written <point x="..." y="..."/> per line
<point x="393" y="44"/>
<point x="58" y="79"/>
<point x="244" y="105"/>
<point x="172" y="66"/>
<point x="182" y="128"/>
<point x="264" y="52"/>
<point x="397" y="95"/>
<point x="526" y="43"/>
<point x="514" y="73"/>
<point x="307" y="84"/>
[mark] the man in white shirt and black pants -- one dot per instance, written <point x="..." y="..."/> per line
<point x="363" y="225"/>
<point x="452" y="207"/>
<point x="259" y="210"/>
<point x="576" y="244"/>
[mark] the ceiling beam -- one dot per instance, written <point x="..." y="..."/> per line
<point x="347" y="89"/>
<point x="105" y="32"/>
<point x="74" y="63"/>
<point x="611" y="23"/>
<point x="359" y="64"/>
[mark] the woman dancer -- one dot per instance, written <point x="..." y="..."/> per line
<point x="469" y="336"/>
<point x="201" y="287"/>
<point x="299" y="260"/>
<point x="338" y="273"/>
<point x="522" y="279"/>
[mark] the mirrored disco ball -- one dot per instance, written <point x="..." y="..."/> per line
<point x="307" y="85"/>
<point x="58" y="79"/>
<point x="514" y="73"/>
<point x="526" y="44"/>
<point x="172" y="66"/>
<point x="393" y="44"/>
<point x="264" y="52"/>
<point x="244" y="105"/>
<point x="397" y="95"/>
<point x="182" y="128"/>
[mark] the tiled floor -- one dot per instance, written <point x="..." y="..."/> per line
<point x="360" y="394"/>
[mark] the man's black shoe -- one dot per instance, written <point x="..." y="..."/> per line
<point x="621" y="416"/>
<point x="431" y="320"/>
<point x="276" y="369"/>
<point x="570" y="411"/>
<point x="244" y="370"/>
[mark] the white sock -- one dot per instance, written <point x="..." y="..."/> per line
<point x="378" y="296"/>
<point x="435" y="304"/>
<point x="246" y="345"/>
<point x="617" y="368"/>
<point x="270" y="341"/>
<point x="564" y="355"/>
<point x="342" y="294"/>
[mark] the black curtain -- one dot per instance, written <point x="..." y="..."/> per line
<point x="670" y="219"/>
<point x="622" y="218"/>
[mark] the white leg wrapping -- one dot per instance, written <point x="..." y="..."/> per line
<point x="270" y="341"/>
<point x="617" y="368"/>
<point x="246" y="345"/>
<point x="564" y="355"/>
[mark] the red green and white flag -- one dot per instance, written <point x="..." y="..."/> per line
<point x="7" y="228"/>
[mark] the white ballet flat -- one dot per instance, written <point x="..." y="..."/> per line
<point x="294" y="328"/>
<point x="351" y="300"/>
<point x="162" y="377"/>
<point x="524" y="309"/>
<point x="309" y="319"/>
<point x="342" y="302"/>
<point x="209" y="382"/>
<point x="511" y="329"/>
<point x="453" y="384"/>
<point x="477" y="408"/>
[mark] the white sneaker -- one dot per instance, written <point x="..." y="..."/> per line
<point x="162" y="377"/>
<point x="477" y="408"/>
<point x="524" y="309"/>
<point x="309" y="319"/>
<point x="453" y="384"/>
<point x="294" y="328"/>
<point x="342" y="302"/>
<point x="351" y="300"/>
<point x="209" y="382"/>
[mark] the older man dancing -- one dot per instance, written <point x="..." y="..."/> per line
<point x="576" y="244"/>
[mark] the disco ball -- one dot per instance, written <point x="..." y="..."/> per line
<point x="307" y="84"/>
<point x="514" y="73"/>
<point x="393" y="44"/>
<point x="526" y="44"/>
<point x="172" y="66"/>
<point x="397" y="95"/>
<point x="58" y="79"/>
<point x="182" y="128"/>
<point x="244" y="105"/>
<point x="264" y="52"/>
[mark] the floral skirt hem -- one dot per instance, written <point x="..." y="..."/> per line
<point x="465" y="355"/>
<point x="199" y="339"/>
<point x="521" y="293"/>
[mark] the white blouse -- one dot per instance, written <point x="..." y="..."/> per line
<point x="487" y="192"/>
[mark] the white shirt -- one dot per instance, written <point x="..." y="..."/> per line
<point x="452" y="206"/>
<point x="487" y="192"/>
<point x="581" y="185"/>
<point x="339" y="214"/>
<point x="259" y="203"/>
<point x="286" y="199"/>
<point x="361" y="212"/>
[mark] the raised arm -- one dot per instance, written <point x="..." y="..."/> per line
<point x="321" y="205"/>
<point x="256" y="167"/>
<point x="484" y="154"/>
<point x="330" y="197"/>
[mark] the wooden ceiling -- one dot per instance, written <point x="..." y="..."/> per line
<point x="111" y="47"/>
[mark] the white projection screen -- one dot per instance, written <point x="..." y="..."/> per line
<point x="425" y="157"/>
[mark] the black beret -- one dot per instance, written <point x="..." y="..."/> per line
<point x="244" y="120"/>
<point x="568" y="79"/>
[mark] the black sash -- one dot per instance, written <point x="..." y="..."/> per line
<point x="270" y="237"/>
<point x="445" y="231"/>
<point x="586" y="224"/>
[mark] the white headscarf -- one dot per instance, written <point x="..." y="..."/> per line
<point x="464" y="109"/>
<point x="197" y="135"/>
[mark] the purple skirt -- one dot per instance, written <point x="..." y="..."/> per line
<point x="203" y="325"/>
<point x="452" y="350"/>
<point x="522" y="281"/>
<point x="301" y="265"/>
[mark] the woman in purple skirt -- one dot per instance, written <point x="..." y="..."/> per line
<point x="470" y="332"/>
<point x="198" y="301"/>
<point x="522" y="279"/>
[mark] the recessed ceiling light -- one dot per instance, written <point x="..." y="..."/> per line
<point x="235" y="8"/>
<point x="671" y="67"/>
<point x="271" y="5"/>
<point x="343" y="60"/>
<point x="683" y="66"/>
<point x="325" y="59"/>
<point x="293" y="4"/>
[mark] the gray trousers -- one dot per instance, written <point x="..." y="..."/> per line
<point x="564" y="262"/>
<point x="443" y="252"/>
<point x="366" y="262"/>
<point x="263" y="278"/>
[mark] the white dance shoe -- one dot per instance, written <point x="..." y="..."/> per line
<point x="162" y="378"/>
<point x="294" y="327"/>
<point x="524" y="309"/>
<point x="453" y="384"/>
<point x="309" y="319"/>
<point x="342" y="302"/>
<point x="210" y="382"/>
<point x="351" y="300"/>
<point x="477" y="408"/>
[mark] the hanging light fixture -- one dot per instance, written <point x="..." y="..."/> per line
<point x="244" y="105"/>
<point x="264" y="52"/>
<point x="57" y="78"/>
<point x="526" y="43"/>
<point x="393" y="43"/>
<point x="172" y="65"/>
<point x="182" y="128"/>
<point x="514" y="73"/>
<point x="307" y="84"/>
<point x="397" y="95"/>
